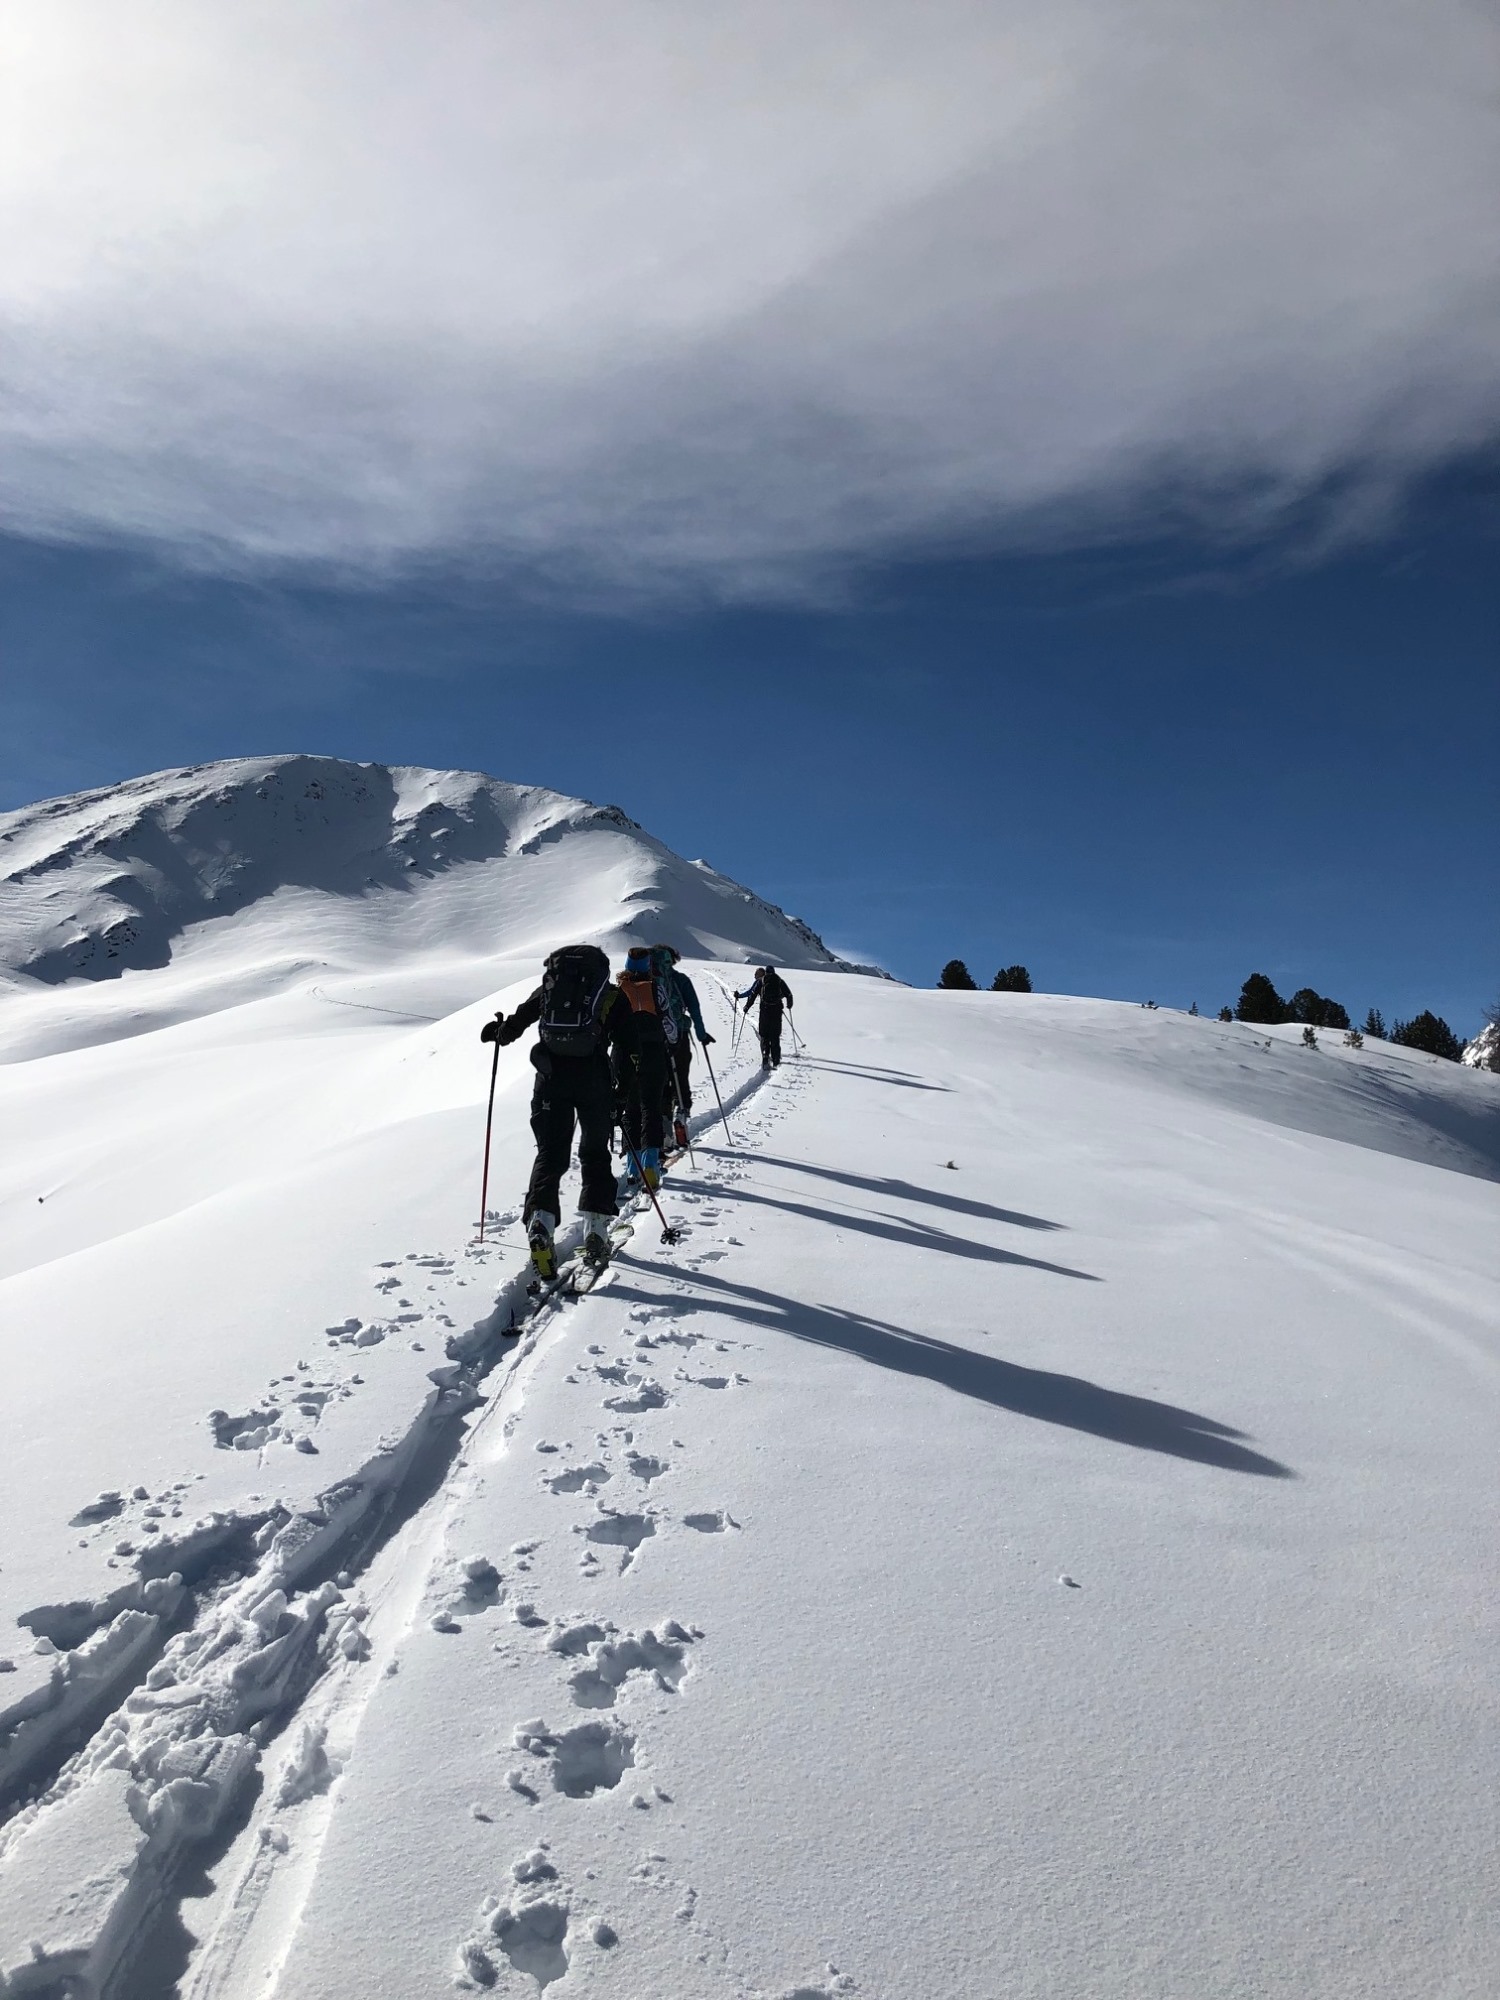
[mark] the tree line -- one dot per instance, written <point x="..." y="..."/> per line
<point x="956" y="977"/>
<point x="1260" y="1004"/>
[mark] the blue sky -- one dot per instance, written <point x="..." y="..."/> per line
<point x="1141" y="775"/>
<point x="1014" y="481"/>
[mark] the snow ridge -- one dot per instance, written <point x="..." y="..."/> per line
<point x="120" y="879"/>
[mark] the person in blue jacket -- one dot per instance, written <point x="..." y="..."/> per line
<point x="683" y="999"/>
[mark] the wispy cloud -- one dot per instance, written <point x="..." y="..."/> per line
<point x="666" y="295"/>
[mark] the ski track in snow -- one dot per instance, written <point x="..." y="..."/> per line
<point x="271" y="1631"/>
<point x="536" y="1922"/>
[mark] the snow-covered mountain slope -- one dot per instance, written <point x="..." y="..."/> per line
<point x="1484" y="1051"/>
<point x="254" y="873"/>
<point x="1033" y="1535"/>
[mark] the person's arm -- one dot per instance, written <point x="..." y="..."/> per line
<point x="507" y="1028"/>
<point x="786" y="993"/>
<point x="616" y="1021"/>
<point x="695" y="1012"/>
<point x="751" y="992"/>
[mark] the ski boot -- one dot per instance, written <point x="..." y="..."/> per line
<point x="595" y="1250"/>
<point x="543" y="1251"/>
<point x="651" y="1167"/>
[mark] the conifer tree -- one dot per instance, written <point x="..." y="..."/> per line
<point x="1429" y="1032"/>
<point x="1260" y="1002"/>
<point x="1313" y="1010"/>
<point x="1011" y="979"/>
<point x="956" y="977"/>
<point x="1375" y="1023"/>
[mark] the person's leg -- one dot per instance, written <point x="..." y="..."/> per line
<point x="552" y="1128"/>
<point x="684" y="1059"/>
<point x="653" y="1085"/>
<point x="774" y="1041"/>
<point x="630" y="1100"/>
<point x="594" y="1097"/>
<point x="668" y="1092"/>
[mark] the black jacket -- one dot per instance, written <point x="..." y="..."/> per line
<point x="772" y="992"/>
<point x="612" y="1014"/>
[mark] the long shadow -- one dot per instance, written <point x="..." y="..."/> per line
<point x="895" y="1190"/>
<point x="1065" y="1400"/>
<point x="876" y="1075"/>
<point x="915" y="1235"/>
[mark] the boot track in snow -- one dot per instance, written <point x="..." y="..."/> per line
<point x="180" y="1688"/>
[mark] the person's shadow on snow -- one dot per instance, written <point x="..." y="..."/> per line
<point x="913" y="1234"/>
<point x="892" y="1189"/>
<point x="1066" y="1400"/>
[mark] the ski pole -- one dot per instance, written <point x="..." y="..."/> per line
<point x="795" y="1036"/>
<point x="668" y="1233"/>
<point x="489" y="1120"/>
<point x="717" y="1099"/>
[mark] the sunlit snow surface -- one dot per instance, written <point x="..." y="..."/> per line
<point x="1033" y="1535"/>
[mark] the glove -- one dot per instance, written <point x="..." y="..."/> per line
<point x="705" y="1039"/>
<point x="490" y="1032"/>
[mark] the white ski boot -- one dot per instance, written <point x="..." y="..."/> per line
<point x="595" y="1251"/>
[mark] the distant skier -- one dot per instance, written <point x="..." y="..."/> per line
<point x="582" y="1020"/>
<point x="642" y="1060"/>
<point x="682" y="999"/>
<point x="773" y="994"/>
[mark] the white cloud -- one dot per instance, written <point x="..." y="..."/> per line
<point x="646" y="291"/>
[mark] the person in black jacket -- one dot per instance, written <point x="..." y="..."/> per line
<point x="773" y="994"/>
<point x="583" y="1020"/>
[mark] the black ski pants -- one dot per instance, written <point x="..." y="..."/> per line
<point x="642" y="1077"/>
<point x="569" y="1089"/>
<point x="770" y="1038"/>
<point x="682" y="1062"/>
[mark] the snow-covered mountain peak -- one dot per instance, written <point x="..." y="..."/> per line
<point x="297" y="855"/>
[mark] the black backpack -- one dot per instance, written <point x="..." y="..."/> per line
<point x="574" y="980"/>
